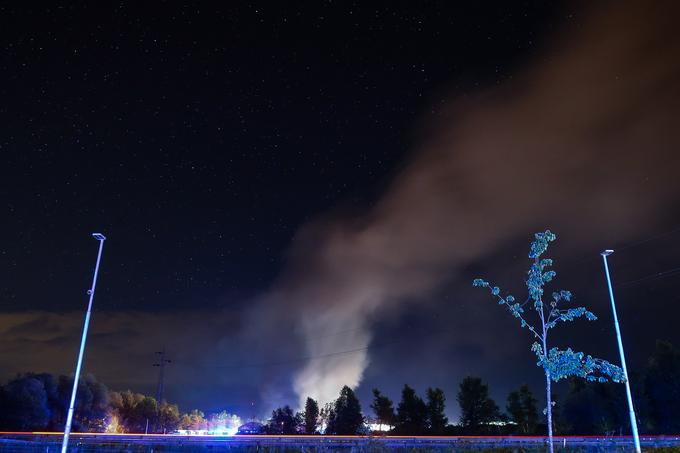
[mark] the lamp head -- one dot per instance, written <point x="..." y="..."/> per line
<point x="99" y="236"/>
<point x="607" y="252"/>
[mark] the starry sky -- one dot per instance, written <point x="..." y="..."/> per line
<point x="238" y="157"/>
<point x="211" y="135"/>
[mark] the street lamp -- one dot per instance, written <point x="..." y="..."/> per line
<point x="631" y="410"/>
<point x="69" y="418"/>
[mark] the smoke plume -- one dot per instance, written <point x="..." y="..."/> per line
<point x="584" y="142"/>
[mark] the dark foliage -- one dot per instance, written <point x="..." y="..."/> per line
<point x="522" y="410"/>
<point x="134" y="410"/>
<point x="411" y="413"/>
<point x="383" y="408"/>
<point x="34" y="402"/>
<point x="346" y="415"/>
<point x="595" y="408"/>
<point x="436" y="404"/>
<point x="283" y="421"/>
<point x="311" y="416"/>
<point x="477" y="409"/>
<point x="25" y="405"/>
<point x="662" y="386"/>
<point x="39" y="402"/>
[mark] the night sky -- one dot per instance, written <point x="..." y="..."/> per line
<point x="293" y="190"/>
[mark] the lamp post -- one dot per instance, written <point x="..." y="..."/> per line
<point x="631" y="410"/>
<point x="69" y="418"/>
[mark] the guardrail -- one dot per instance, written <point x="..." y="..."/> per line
<point x="338" y="441"/>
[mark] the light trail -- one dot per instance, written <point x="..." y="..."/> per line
<point x="42" y="440"/>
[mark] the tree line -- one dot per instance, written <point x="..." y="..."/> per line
<point x="37" y="402"/>
<point x="413" y="415"/>
<point x="587" y="407"/>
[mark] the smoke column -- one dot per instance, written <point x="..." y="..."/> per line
<point x="583" y="142"/>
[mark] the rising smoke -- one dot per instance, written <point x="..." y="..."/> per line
<point x="585" y="142"/>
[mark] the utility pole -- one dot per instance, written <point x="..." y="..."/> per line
<point x="161" y="376"/>
<point x="631" y="410"/>
<point x="76" y="377"/>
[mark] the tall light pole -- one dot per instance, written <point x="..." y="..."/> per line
<point x="631" y="410"/>
<point x="69" y="418"/>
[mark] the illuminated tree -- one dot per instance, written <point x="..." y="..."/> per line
<point x="193" y="421"/>
<point x="556" y="363"/>
<point x="326" y="416"/>
<point x="168" y="418"/>
<point x="133" y="411"/>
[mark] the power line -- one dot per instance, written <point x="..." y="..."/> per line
<point x="650" y="277"/>
<point x="656" y="275"/>
<point x="652" y="238"/>
<point x="332" y="354"/>
<point x="622" y="247"/>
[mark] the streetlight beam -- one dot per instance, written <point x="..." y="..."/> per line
<point x="631" y="410"/>
<point x="69" y="418"/>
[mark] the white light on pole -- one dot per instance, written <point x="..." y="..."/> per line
<point x="69" y="418"/>
<point x="631" y="410"/>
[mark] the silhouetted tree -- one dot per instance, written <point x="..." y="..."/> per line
<point x="411" y="413"/>
<point x="557" y="364"/>
<point x="383" y="408"/>
<point x="522" y="409"/>
<point x="346" y="415"/>
<point x="56" y="401"/>
<point x="436" y="404"/>
<point x="594" y="408"/>
<point x="283" y="421"/>
<point x="311" y="416"/>
<point x="30" y="397"/>
<point x="91" y="403"/>
<point x="24" y="404"/>
<point x="662" y="386"/>
<point x="516" y="411"/>
<point x="476" y="408"/>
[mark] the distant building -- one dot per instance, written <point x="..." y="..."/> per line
<point x="251" y="428"/>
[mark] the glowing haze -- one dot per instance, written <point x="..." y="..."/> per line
<point x="584" y="142"/>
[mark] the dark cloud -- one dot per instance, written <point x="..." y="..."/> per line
<point x="120" y="348"/>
